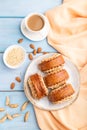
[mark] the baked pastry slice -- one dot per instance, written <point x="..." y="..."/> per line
<point x="37" y="86"/>
<point x="52" y="63"/>
<point x="56" y="78"/>
<point x="61" y="94"/>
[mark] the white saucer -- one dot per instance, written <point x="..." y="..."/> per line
<point x="34" y="37"/>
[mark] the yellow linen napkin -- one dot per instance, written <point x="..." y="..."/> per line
<point x="68" y="34"/>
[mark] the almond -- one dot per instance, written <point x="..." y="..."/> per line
<point x="39" y="49"/>
<point x="32" y="46"/>
<point x="20" y="40"/>
<point x="18" y="79"/>
<point x="45" y="53"/>
<point x="12" y="85"/>
<point x="30" y="56"/>
<point x="34" y="51"/>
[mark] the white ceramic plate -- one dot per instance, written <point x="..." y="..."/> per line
<point x="44" y="103"/>
<point x="31" y="36"/>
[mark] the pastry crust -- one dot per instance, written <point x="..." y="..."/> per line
<point x="55" y="78"/>
<point x="50" y="64"/>
<point x="61" y="94"/>
<point x="57" y="85"/>
<point x="37" y="86"/>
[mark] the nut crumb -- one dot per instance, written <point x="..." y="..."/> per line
<point x="20" y="40"/>
<point x="30" y="56"/>
<point x="34" y="51"/>
<point x="12" y="85"/>
<point x="32" y="46"/>
<point x="18" y="79"/>
<point x="39" y="49"/>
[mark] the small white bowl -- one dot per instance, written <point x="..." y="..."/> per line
<point x="6" y="53"/>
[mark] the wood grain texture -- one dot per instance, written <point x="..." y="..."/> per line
<point x="11" y="15"/>
<point x="17" y="123"/>
<point x="10" y="33"/>
<point x="20" y="8"/>
<point x="7" y="76"/>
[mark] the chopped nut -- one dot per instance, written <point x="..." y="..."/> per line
<point x="30" y="56"/>
<point x="34" y="51"/>
<point x="39" y="50"/>
<point x="18" y="79"/>
<point x="32" y="46"/>
<point x="13" y="105"/>
<point x="26" y="116"/>
<point x="24" y="105"/>
<point x="20" y="40"/>
<point x="7" y="101"/>
<point x="9" y="116"/>
<point x="3" y="119"/>
<point x="15" y="115"/>
<point x="12" y="85"/>
<point x="2" y="109"/>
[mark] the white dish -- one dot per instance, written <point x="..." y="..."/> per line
<point x="7" y="51"/>
<point x="36" y="36"/>
<point x="44" y="103"/>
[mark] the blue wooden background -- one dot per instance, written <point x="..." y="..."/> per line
<point x="11" y="15"/>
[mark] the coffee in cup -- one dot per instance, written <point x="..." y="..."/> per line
<point x="35" y="22"/>
<point x="37" y="26"/>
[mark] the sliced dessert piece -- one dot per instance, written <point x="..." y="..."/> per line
<point x="61" y="94"/>
<point x="56" y="78"/>
<point x="52" y="63"/>
<point x="37" y="86"/>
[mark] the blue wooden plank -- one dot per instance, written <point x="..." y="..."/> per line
<point x="7" y="76"/>
<point x="22" y="8"/>
<point x="10" y="33"/>
<point x="17" y="123"/>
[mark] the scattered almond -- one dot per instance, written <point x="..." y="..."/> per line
<point x="3" y="119"/>
<point x="2" y="109"/>
<point x="34" y="51"/>
<point x="39" y="49"/>
<point x="30" y="56"/>
<point x="9" y="116"/>
<point x="18" y="79"/>
<point x="24" y="105"/>
<point x="12" y="85"/>
<point x="26" y="116"/>
<point x="13" y="105"/>
<point x="7" y="101"/>
<point x="20" y="40"/>
<point x="32" y="46"/>
<point x="15" y="115"/>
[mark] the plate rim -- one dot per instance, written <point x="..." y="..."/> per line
<point x="48" y="109"/>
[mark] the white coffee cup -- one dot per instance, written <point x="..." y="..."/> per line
<point x="37" y="24"/>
